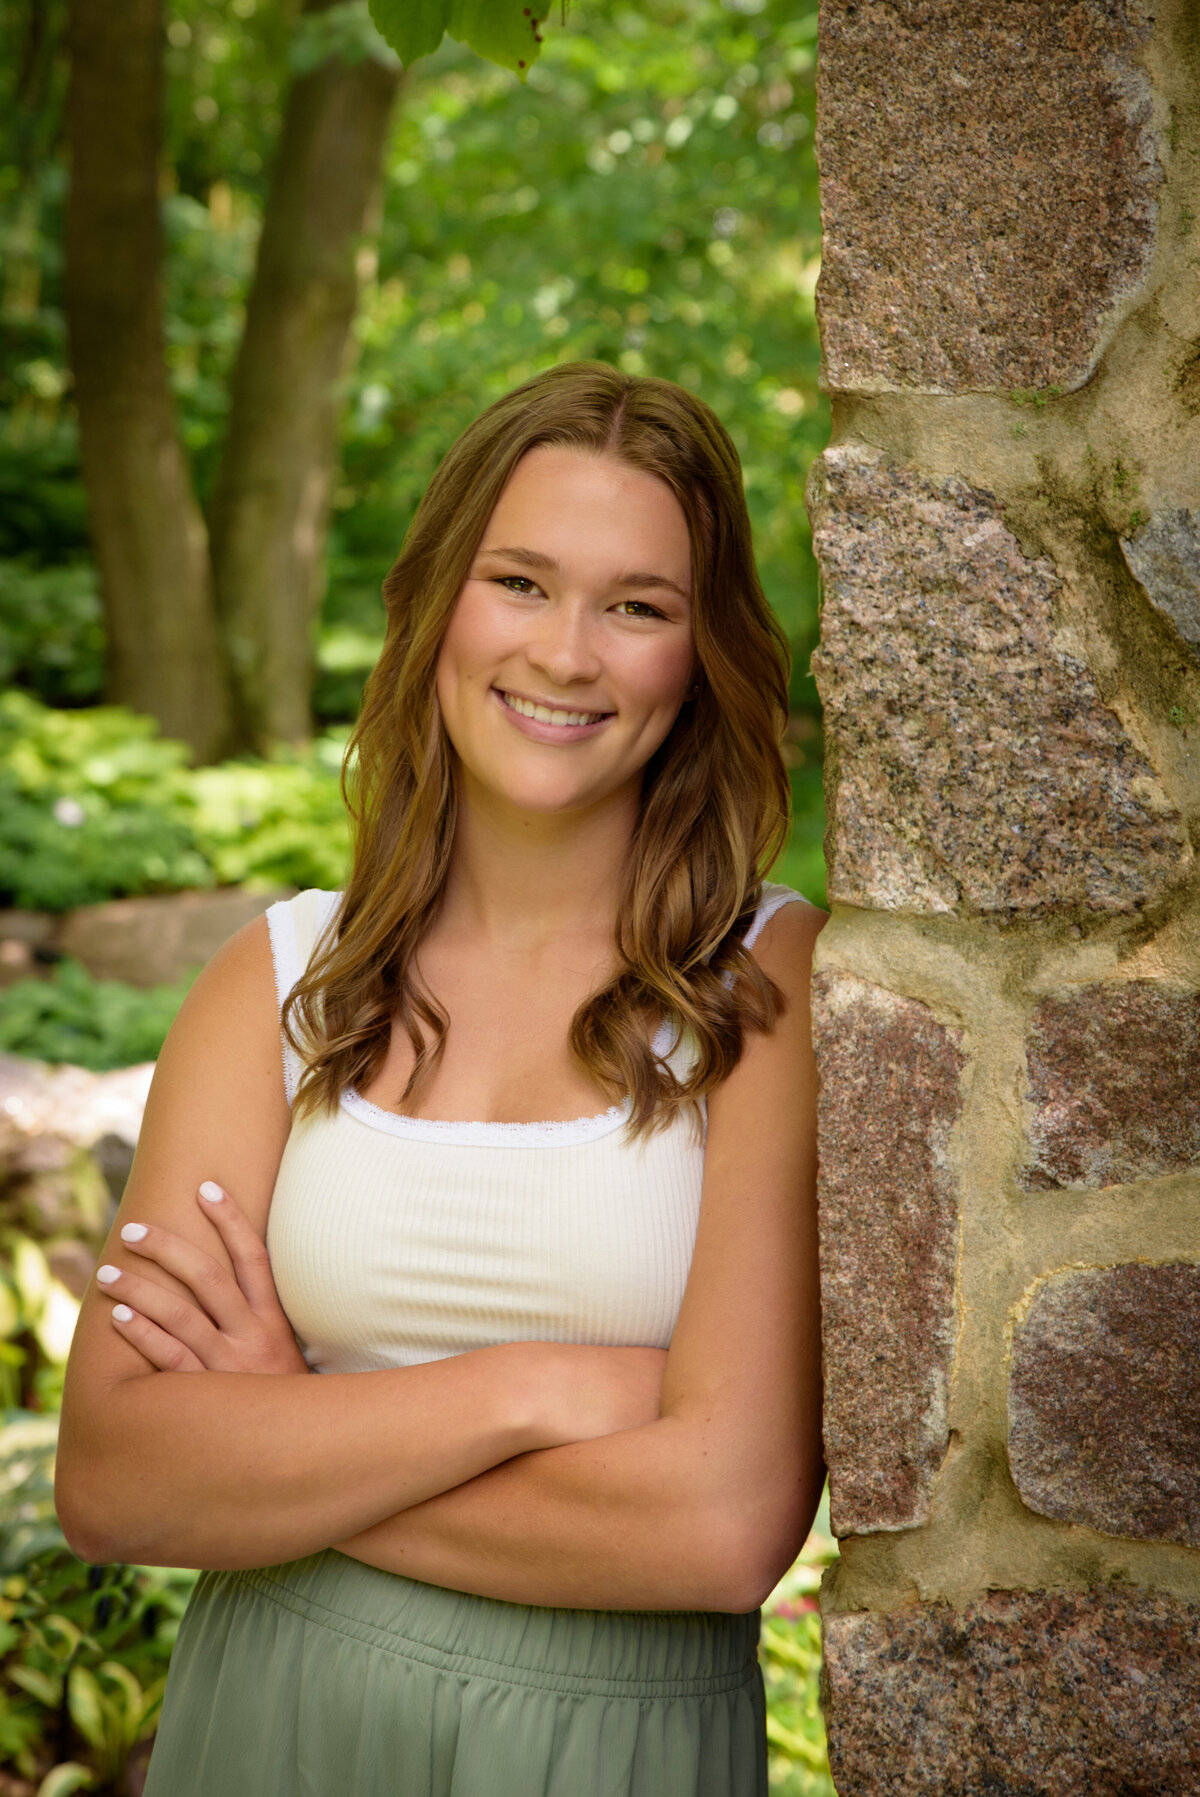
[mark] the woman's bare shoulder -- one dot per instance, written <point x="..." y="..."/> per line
<point x="235" y="990"/>
<point x="221" y="1066"/>
<point x="774" y="1080"/>
<point x="784" y="948"/>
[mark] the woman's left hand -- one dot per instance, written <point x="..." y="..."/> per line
<point x="224" y="1322"/>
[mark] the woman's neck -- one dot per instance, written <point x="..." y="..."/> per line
<point x="524" y="880"/>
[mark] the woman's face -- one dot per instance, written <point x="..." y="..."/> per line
<point x="569" y="651"/>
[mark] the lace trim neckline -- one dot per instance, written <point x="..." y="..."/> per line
<point x="486" y="1135"/>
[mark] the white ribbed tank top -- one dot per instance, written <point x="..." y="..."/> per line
<point x="395" y="1240"/>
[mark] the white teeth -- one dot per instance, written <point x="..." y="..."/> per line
<point x="545" y="715"/>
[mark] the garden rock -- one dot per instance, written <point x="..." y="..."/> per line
<point x="67" y="1138"/>
<point x="158" y="940"/>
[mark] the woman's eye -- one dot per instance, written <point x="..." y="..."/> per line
<point x="638" y="608"/>
<point x="519" y="583"/>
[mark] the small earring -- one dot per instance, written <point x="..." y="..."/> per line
<point x="692" y="693"/>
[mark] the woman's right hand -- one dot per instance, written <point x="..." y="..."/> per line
<point x="225" y="1322"/>
<point x="578" y="1393"/>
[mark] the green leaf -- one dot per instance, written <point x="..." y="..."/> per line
<point x="61" y="1636"/>
<point x="131" y="1691"/>
<point x="62" y="1780"/>
<point x="10" y="1312"/>
<point x="31" y="1275"/>
<point x="412" y="27"/>
<point x="56" y="1324"/>
<point x="42" y="1685"/>
<point x="795" y="1745"/>
<point x="89" y="1711"/>
<point x="344" y="30"/>
<point x="505" y="31"/>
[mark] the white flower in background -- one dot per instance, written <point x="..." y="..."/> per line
<point x="69" y="812"/>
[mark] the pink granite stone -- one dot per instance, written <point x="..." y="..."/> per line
<point x="989" y="189"/>
<point x="1114" y="1085"/>
<point x="1021" y="1694"/>
<point x="1104" y="1400"/>
<point x="890" y="1096"/>
<point x="972" y="765"/>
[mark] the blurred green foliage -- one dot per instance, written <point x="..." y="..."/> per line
<point x="92" y="806"/>
<point x="37" y="1320"/>
<point x="277" y="822"/>
<point x="95" y="804"/>
<point x="74" y="1017"/>
<point x="51" y="630"/>
<point x="83" y="1649"/>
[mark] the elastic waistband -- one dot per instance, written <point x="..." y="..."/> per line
<point x="634" y="1653"/>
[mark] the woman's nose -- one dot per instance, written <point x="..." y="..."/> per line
<point x="564" y="647"/>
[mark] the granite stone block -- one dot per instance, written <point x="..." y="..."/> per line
<point x="1114" y="1085"/>
<point x="973" y="764"/>
<point x="1164" y="559"/>
<point x="1021" y="1694"/>
<point x="1104" y="1400"/>
<point x="989" y="189"/>
<point x="890" y="1096"/>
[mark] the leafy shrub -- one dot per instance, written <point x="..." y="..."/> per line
<point x="89" y="1022"/>
<point x="790" y="1655"/>
<point x="83" y="1649"/>
<point x="802" y="863"/>
<point x="275" y="822"/>
<point x="790" y="1652"/>
<point x="52" y="631"/>
<point x="95" y="805"/>
<point x="37" y="1321"/>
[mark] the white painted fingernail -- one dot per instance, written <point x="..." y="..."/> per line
<point x="108" y="1275"/>
<point x="134" y="1232"/>
<point x="122" y="1313"/>
<point x="212" y="1194"/>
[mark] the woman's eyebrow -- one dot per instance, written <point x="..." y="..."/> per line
<point x="536" y="558"/>
<point x="653" y="580"/>
<point x="533" y="558"/>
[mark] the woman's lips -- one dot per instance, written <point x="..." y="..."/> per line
<point x="542" y="729"/>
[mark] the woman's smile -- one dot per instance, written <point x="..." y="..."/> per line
<point x="544" y="722"/>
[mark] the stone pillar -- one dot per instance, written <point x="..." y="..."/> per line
<point x="1008" y="994"/>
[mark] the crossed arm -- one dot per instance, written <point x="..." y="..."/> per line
<point x="532" y="1472"/>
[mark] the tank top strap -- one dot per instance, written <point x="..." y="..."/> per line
<point x="297" y="926"/>
<point x="677" y="1047"/>
<point x="774" y="898"/>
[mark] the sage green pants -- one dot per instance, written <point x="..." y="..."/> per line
<point x="327" y="1678"/>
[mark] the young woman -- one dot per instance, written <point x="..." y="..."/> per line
<point x="531" y="1186"/>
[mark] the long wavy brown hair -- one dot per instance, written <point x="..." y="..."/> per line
<point x="715" y="795"/>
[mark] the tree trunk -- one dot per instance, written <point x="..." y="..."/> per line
<point x="149" y="536"/>
<point x="271" y="502"/>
